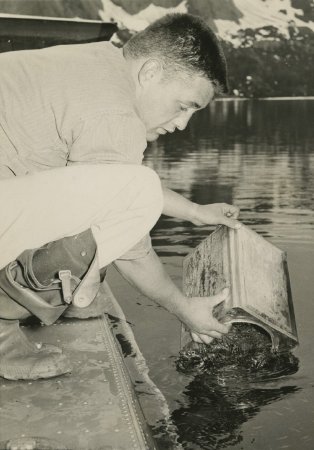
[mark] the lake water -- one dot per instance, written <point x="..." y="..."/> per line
<point x="259" y="155"/>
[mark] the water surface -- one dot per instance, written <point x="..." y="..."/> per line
<point x="259" y="155"/>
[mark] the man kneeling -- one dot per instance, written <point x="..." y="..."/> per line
<point x="121" y="204"/>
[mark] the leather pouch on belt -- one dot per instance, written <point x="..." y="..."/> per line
<point x="28" y="298"/>
<point x="47" y="280"/>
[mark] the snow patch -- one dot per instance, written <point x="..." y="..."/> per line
<point x="139" y="21"/>
<point x="261" y="13"/>
<point x="256" y="14"/>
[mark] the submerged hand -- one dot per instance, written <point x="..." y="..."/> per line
<point x="215" y="214"/>
<point x="198" y="317"/>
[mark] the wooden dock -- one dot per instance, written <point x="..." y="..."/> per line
<point x="94" y="407"/>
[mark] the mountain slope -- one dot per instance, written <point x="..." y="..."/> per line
<point x="269" y="43"/>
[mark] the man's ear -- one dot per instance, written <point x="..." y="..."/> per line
<point x="150" y="72"/>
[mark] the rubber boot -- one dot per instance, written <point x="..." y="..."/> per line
<point x="21" y="359"/>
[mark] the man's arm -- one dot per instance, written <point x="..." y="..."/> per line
<point x="149" y="276"/>
<point x="175" y="205"/>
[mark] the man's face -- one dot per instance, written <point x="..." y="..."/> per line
<point x="167" y="104"/>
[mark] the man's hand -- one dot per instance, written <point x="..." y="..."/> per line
<point x="176" y="205"/>
<point x="197" y="314"/>
<point x="149" y="276"/>
<point x="215" y="214"/>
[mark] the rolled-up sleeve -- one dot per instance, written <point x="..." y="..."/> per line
<point x="108" y="137"/>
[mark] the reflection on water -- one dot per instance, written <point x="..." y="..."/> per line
<point x="214" y="411"/>
<point x="226" y="389"/>
<point x="258" y="155"/>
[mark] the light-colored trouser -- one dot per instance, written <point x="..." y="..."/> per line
<point x="120" y="203"/>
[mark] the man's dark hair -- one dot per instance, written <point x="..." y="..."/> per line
<point x="184" y="43"/>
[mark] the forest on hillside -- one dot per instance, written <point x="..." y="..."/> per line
<point x="279" y="68"/>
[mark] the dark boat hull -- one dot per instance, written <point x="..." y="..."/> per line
<point x="19" y="33"/>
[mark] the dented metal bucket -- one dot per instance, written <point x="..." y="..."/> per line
<point x="256" y="272"/>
